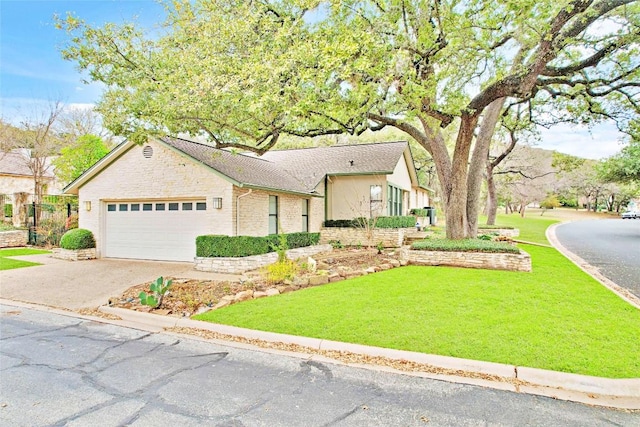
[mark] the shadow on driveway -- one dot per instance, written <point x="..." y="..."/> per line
<point x="79" y="284"/>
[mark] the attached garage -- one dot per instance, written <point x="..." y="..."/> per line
<point x="154" y="230"/>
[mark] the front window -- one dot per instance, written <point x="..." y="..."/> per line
<point x="305" y="215"/>
<point x="394" y="200"/>
<point x="273" y="214"/>
<point x="375" y="201"/>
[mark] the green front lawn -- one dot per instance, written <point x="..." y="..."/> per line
<point x="9" y="264"/>
<point x="556" y="317"/>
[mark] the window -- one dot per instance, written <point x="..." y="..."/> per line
<point x="111" y="208"/>
<point x="394" y="200"/>
<point x="375" y="201"/>
<point x="201" y="206"/>
<point x="188" y="206"/>
<point x="173" y="206"/>
<point x="273" y="214"/>
<point x="160" y="206"/>
<point x="147" y="206"/>
<point x="135" y="206"/>
<point x="305" y="215"/>
<point x="123" y="207"/>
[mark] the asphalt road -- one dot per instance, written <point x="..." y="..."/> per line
<point x="611" y="245"/>
<point x="61" y="370"/>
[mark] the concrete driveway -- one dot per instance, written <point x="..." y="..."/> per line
<point x="79" y="284"/>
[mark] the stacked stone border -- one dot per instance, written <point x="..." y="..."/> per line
<point x="74" y="254"/>
<point x="239" y="265"/>
<point x="506" y="232"/>
<point x="493" y="261"/>
<point x="13" y="238"/>
<point x="348" y="236"/>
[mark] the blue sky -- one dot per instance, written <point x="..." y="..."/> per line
<point x="32" y="71"/>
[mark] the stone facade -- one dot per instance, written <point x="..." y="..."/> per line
<point x="390" y="237"/>
<point x="491" y="261"/>
<point x="74" y="255"/>
<point x="243" y="264"/>
<point x="12" y="239"/>
<point x="506" y="232"/>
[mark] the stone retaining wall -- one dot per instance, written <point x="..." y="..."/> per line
<point x="506" y="232"/>
<point x="390" y="237"/>
<point x="492" y="261"/>
<point x="74" y="255"/>
<point x="238" y="265"/>
<point x="14" y="238"/>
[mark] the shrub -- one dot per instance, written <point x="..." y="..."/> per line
<point x="379" y="222"/>
<point x="466" y="245"/>
<point x="8" y="210"/>
<point x="241" y="246"/>
<point x="280" y="271"/>
<point x="71" y="222"/>
<point x="494" y="227"/>
<point x="78" y="238"/>
<point x="419" y="212"/>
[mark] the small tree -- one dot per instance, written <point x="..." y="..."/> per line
<point x="79" y="156"/>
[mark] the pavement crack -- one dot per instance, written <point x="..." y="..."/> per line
<point x="324" y="369"/>
<point x="346" y="415"/>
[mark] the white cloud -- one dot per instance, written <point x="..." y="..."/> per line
<point x="601" y="141"/>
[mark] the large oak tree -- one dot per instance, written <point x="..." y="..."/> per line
<point x="245" y="72"/>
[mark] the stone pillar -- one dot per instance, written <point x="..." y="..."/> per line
<point x="20" y="209"/>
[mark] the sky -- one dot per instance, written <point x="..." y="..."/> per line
<point x="33" y="73"/>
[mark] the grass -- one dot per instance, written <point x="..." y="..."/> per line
<point x="9" y="264"/>
<point x="556" y="317"/>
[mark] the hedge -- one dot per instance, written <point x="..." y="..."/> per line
<point x="78" y="238"/>
<point x="495" y="227"/>
<point x="379" y="222"/>
<point x="465" y="245"/>
<point x="212" y="246"/>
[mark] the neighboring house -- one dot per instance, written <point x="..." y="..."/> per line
<point x="16" y="177"/>
<point x="151" y="201"/>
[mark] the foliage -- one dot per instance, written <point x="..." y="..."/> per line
<point x="419" y="212"/>
<point x="336" y="244"/>
<point x="8" y="210"/>
<point x="79" y="156"/>
<point x="158" y="289"/>
<point x="550" y="202"/>
<point x="380" y="247"/>
<point x="50" y="231"/>
<point x="465" y="245"/>
<point x="78" y="238"/>
<point x="280" y="271"/>
<point x="495" y="227"/>
<point x="6" y="226"/>
<point x="378" y="222"/>
<point x="72" y="221"/>
<point x="310" y="68"/>
<point x="281" y="247"/>
<point x="623" y="167"/>
<point x="241" y="246"/>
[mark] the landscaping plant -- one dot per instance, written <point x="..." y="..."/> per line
<point x="77" y="238"/>
<point x="159" y="289"/>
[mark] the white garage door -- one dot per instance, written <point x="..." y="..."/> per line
<point x="155" y="230"/>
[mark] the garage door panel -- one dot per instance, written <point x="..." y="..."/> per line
<point x="167" y="235"/>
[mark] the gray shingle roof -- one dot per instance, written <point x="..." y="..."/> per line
<point x="299" y="170"/>
<point x="14" y="163"/>
<point x="243" y="169"/>
<point x="312" y="164"/>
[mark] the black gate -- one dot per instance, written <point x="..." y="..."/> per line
<point x="48" y="221"/>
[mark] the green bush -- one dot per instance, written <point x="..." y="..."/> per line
<point x="241" y="246"/>
<point x="466" y="245"/>
<point x="395" y="222"/>
<point x="8" y="210"/>
<point x="494" y="227"/>
<point x="419" y="212"/>
<point x="78" y="238"/>
<point x="380" y="222"/>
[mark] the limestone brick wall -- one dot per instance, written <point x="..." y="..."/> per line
<point x="166" y="176"/>
<point x="74" y="255"/>
<point x="243" y="264"/>
<point x="492" y="261"/>
<point x="507" y="232"/>
<point x="14" y="238"/>
<point x="390" y="237"/>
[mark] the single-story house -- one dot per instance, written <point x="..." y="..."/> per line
<point x="17" y="177"/>
<point x="151" y="201"/>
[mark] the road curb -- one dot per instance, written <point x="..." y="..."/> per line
<point x="615" y="393"/>
<point x="588" y="268"/>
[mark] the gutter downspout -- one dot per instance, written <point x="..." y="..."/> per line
<point x="238" y="210"/>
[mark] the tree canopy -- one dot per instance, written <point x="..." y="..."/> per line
<point x="243" y="73"/>
<point x="79" y="156"/>
<point x="624" y="167"/>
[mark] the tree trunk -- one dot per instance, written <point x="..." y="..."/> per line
<point x="479" y="161"/>
<point x="456" y="206"/>
<point x="492" y="197"/>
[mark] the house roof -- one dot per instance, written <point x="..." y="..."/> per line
<point x="295" y="171"/>
<point x="312" y="164"/>
<point x="15" y="163"/>
<point x="245" y="171"/>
